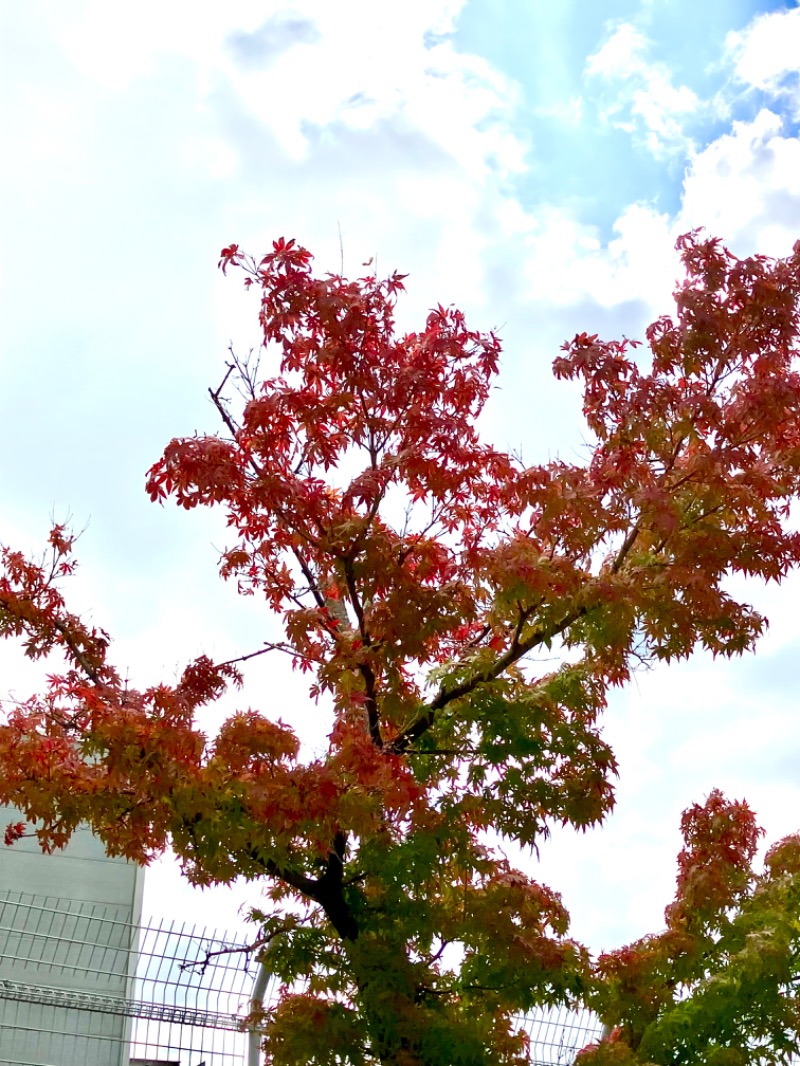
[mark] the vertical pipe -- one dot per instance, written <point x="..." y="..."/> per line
<point x="256" y="1004"/>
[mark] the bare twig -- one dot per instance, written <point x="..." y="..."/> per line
<point x="271" y="646"/>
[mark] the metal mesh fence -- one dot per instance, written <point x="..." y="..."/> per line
<point x="80" y="986"/>
<point x="557" y="1035"/>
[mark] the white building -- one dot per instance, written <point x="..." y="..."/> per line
<point x="65" y="935"/>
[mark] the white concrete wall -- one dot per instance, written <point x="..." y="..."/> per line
<point x="79" y="894"/>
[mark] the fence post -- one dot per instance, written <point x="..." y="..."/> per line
<point x="256" y="1006"/>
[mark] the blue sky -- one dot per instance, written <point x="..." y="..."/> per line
<point x="531" y="162"/>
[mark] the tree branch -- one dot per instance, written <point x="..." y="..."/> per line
<point x="231" y="425"/>
<point x="268" y="646"/>
<point x="67" y="635"/>
<point x="516" y="650"/>
<point x="366" y="671"/>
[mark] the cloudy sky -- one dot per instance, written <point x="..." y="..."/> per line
<point x="530" y="161"/>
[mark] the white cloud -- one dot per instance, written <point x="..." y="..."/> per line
<point x="348" y="77"/>
<point x="621" y="55"/>
<point x="54" y="130"/>
<point x="303" y="117"/>
<point x="642" y="98"/>
<point x="743" y="187"/>
<point x="291" y="65"/>
<point x="568" y="112"/>
<point x="117" y="45"/>
<point x="767" y="53"/>
<point x="567" y="264"/>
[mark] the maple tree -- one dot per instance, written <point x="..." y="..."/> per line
<point x="720" y="985"/>
<point x="418" y="571"/>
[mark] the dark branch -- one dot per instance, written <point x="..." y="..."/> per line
<point x="312" y="581"/>
<point x="226" y="418"/>
<point x="78" y="655"/>
<point x="326" y="890"/>
<point x="268" y="646"/>
<point x="515" y="651"/>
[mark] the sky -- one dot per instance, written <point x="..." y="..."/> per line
<point x="531" y="162"/>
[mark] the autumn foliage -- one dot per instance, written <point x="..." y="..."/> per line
<point x="419" y="572"/>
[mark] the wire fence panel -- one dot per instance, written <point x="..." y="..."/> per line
<point x="558" y="1034"/>
<point x="80" y="986"/>
<point x="192" y="991"/>
<point x="55" y="956"/>
<point x="33" y="1034"/>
